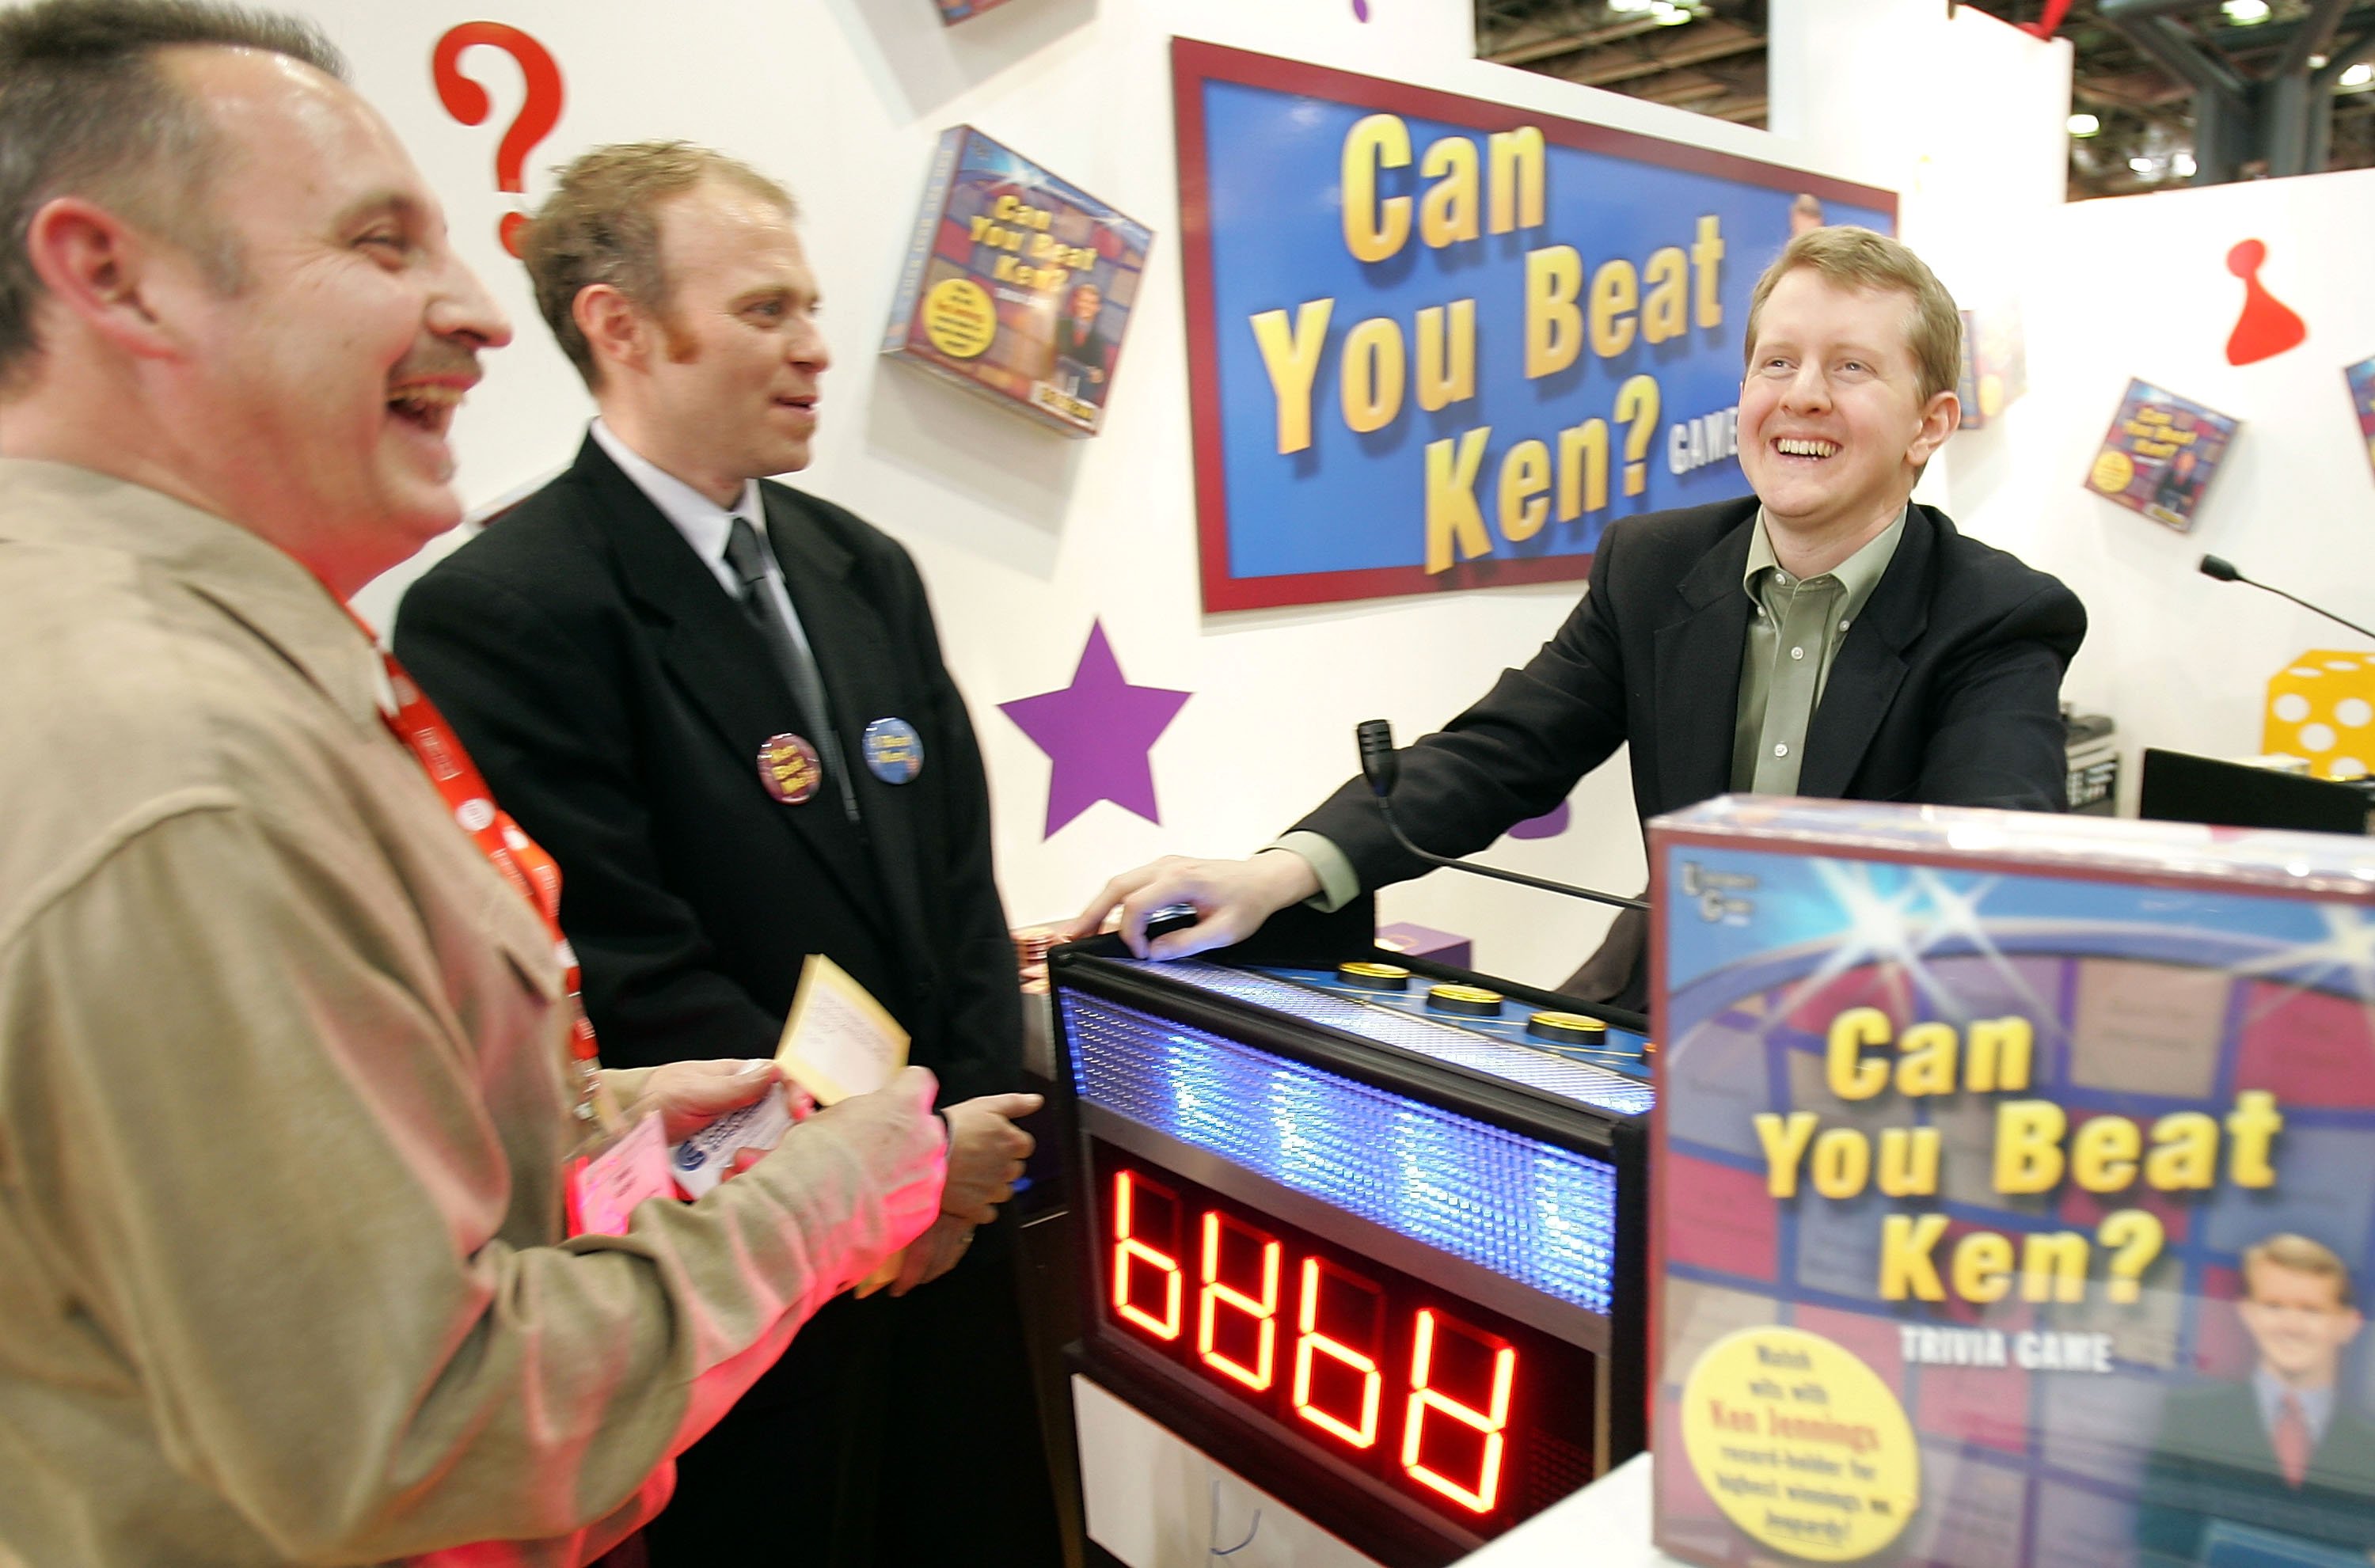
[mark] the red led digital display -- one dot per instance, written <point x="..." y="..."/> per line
<point x="1479" y="1417"/>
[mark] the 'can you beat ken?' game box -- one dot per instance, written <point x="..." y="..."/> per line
<point x="2015" y="1191"/>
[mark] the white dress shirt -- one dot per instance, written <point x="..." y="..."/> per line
<point x="704" y="525"/>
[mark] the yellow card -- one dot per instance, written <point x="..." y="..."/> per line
<point x="838" y="1041"/>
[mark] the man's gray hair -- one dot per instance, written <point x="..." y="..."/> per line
<point x="86" y="109"/>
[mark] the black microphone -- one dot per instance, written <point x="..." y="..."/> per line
<point x="2224" y="570"/>
<point x="1381" y="764"/>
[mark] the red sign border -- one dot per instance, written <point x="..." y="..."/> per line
<point x="1194" y="63"/>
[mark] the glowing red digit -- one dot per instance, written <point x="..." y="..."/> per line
<point x="1129" y="1246"/>
<point x="1425" y="1396"/>
<point x="1263" y="1309"/>
<point x="1310" y="1342"/>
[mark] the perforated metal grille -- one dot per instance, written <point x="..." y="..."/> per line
<point x="1530" y="1211"/>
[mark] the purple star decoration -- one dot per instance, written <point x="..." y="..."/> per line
<point x="1096" y="733"/>
<point x="1549" y="825"/>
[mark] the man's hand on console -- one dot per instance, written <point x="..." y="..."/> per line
<point x="986" y="1154"/>
<point x="1232" y="899"/>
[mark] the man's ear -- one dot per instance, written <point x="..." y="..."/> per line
<point x="614" y="329"/>
<point x="103" y="271"/>
<point x="1940" y="417"/>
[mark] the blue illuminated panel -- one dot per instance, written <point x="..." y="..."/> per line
<point x="1579" y="1081"/>
<point x="1534" y="1213"/>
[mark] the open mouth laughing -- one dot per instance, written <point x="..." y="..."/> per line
<point x="428" y="406"/>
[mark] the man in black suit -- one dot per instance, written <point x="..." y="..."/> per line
<point x="720" y="704"/>
<point x="1826" y="638"/>
<point x="2279" y="1452"/>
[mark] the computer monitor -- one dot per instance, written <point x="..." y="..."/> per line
<point x="2180" y="787"/>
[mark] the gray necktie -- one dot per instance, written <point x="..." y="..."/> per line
<point x="746" y="556"/>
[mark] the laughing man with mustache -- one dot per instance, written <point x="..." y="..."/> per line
<point x="1826" y="637"/>
<point x="285" y="1081"/>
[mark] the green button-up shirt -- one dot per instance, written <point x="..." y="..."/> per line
<point x="1795" y="626"/>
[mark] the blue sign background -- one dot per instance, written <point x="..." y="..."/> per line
<point x="1353" y="501"/>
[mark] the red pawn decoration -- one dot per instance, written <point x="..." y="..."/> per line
<point x="2268" y="327"/>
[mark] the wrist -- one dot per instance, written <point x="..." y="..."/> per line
<point x="1288" y="879"/>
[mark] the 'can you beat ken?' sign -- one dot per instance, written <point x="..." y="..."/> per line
<point x="1439" y="343"/>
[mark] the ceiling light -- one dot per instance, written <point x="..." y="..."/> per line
<point x="2359" y="75"/>
<point x="2140" y="165"/>
<point x="2182" y="165"/>
<point x="2246" y="12"/>
<point x="1627" y="8"/>
<point x="2317" y="62"/>
<point x="2084" y="125"/>
<point x="1668" y="14"/>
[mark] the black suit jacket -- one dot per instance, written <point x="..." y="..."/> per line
<point x="1945" y="690"/>
<point x="2213" y="1459"/>
<point x="616" y="700"/>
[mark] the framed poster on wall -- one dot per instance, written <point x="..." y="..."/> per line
<point x="1438" y="343"/>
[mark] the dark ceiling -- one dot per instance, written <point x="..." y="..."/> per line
<point x="1714" y="64"/>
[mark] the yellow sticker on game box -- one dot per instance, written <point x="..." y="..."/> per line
<point x="959" y="317"/>
<point x="1801" y="1444"/>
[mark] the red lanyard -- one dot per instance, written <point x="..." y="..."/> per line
<point x="523" y="863"/>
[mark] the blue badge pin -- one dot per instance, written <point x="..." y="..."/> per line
<point x="895" y="752"/>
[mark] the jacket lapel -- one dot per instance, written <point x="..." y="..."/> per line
<point x="1697" y="690"/>
<point x="861" y="667"/>
<point x="1870" y="664"/>
<point x="718" y="661"/>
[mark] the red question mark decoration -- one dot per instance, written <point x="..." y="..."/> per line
<point x="467" y="101"/>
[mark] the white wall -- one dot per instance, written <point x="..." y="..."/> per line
<point x="1965" y="115"/>
<point x="2138" y="287"/>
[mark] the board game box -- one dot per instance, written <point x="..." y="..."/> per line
<point x="2014" y="1189"/>
<point x="2361" y="379"/>
<point x="1995" y="364"/>
<point x="2161" y="454"/>
<point x="1018" y="284"/>
<point x="955" y="11"/>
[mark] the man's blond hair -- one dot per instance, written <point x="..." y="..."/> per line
<point x="2302" y="1256"/>
<point x="602" y="225"/>
<point x="1850" y="257"/>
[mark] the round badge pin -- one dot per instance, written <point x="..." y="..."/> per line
<point x="789" y="768"/>
<point x="895" y="752"/>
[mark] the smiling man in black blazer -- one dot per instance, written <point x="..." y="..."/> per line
<point x="720" y="704"/>
<point x="1825" y="637"/>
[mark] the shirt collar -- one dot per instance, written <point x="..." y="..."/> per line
<point x="2316" y="1404"/>
<point x="1858" y="574"/>
<point x="701" y="521"/>
<point x="62" y="506"/>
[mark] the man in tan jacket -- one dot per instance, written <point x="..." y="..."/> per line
<point x="284" y="1086"/>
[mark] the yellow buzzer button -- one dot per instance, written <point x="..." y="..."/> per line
<point x="1567" y="1029"/>
<point x="1363" y="975"/>
<point x="1470" y="1001"/>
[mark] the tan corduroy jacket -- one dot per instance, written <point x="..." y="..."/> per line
<point x="283" y="1106"/>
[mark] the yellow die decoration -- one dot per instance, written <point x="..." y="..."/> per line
<point x="2321" y="706"/>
